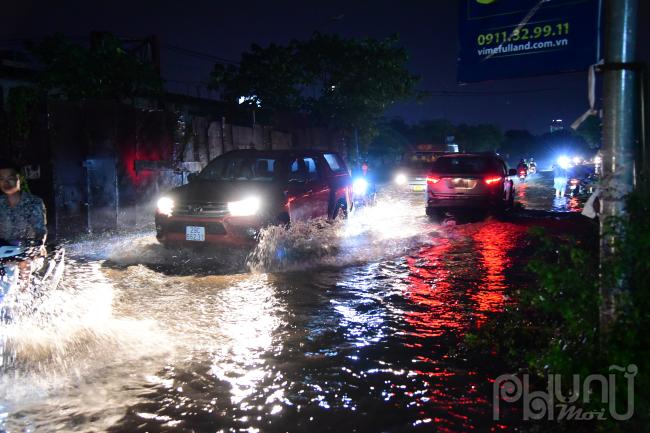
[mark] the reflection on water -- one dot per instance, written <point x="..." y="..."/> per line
<point x="538" y="193"/>
<point x="354" y="334"/>
<point x="495" y="243"/>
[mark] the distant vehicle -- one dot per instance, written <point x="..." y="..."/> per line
<point x="582" y="180"/>
<point x="522" y="175"/>
<point x="412" y="172"/>
<point x="242" y="191"/>
<point x="475" y="181"/>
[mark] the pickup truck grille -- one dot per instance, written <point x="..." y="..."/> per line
<point x="202" y="210"/>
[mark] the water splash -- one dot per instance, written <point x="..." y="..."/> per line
<point x="369" y="234"/>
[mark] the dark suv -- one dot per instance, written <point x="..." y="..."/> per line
<point x="242" y="191"/>
<point x="479" y="181"/>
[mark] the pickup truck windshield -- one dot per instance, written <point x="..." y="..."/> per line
<point x="238" y="168"/>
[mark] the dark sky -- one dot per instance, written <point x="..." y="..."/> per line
<point x="428" y="29"/>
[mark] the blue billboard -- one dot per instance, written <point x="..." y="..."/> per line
<point x="518" y="38"/>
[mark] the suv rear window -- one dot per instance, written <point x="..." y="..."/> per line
<point x="335" y="163"/>
<point x="466" y="165"/>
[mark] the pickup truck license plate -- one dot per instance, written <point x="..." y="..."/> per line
<point x="193" y="233"/>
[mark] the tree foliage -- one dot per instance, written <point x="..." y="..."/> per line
<point x="338" y="82"/>
<point x="518" y="144"/>
<point x="479" y="138"/>
<point x="105" y="71"/>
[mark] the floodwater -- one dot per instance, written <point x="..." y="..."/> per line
<point x="350" y="326"/>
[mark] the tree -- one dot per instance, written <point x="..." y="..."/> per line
<point x="106" y="71"/>
<point x="434" y="131"/>
<point x="391" y="139"/>
<point x="339" y="83"/>
<point x="518" y="144"/>
<point x="479" y="138"/>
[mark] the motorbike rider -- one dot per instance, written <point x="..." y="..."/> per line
<point x="532" y="165"/>
<point x="22" y="215"/>
<point x="522" y="167"/>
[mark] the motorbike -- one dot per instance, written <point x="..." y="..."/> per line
<point x="26" y="277"/>
<point x="364" y="192"/>
<point x="532" y="169"/>
<point x="582" y="187"/>
<point x="522" y="176"/>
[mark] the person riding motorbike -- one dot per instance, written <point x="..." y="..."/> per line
<point x="532" y="166"/>
<point x="22" y="219"/>
<point x="522" y="170"/>
<point x="363" y="187"/>
<point x="522" y="167"/>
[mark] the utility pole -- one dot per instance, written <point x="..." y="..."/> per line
<point x="620" y="136"/>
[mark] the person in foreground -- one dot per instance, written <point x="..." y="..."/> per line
<point x="22" y="223"/>
<point x="22" y="215"/>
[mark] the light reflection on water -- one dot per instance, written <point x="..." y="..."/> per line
<point x="352" y="334"/>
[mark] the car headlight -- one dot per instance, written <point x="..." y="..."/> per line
<point x="247" y="207"/>
<point x="564" y="162"/>
<point x="165" y="206"/>
<point x="400" y="179"/>
<point x="359" y="186"/>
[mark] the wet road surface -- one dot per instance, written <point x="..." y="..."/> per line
<point x="324" y="327"/>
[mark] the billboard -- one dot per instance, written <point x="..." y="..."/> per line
<point x="502" y="39"/>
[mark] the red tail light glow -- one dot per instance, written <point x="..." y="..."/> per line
<point x="433" y="179"/>
<point x="493" y="180"/>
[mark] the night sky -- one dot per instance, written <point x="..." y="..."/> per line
<point x="222" y="30"/>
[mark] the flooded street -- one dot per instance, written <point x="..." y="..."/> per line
<point x="350" y="326"/>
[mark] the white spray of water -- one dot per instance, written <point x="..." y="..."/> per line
<point x="390" y="228"/>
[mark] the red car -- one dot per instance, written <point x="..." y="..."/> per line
<point x="242" y="191"/>
<point x="474" y="181"/>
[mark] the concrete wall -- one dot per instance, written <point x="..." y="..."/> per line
<point x="103" y="164"/>
<point x="112" y="161"/>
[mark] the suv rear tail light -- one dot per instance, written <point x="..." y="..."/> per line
<point x="433" y="179"/>
<point x="492" y="180"/>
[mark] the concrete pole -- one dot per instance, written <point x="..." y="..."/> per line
<point x="620" y="136"/>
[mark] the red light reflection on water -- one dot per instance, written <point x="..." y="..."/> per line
<point x="429" y="287"/>
<point x="452" y="287"/>
<point x="495" y="242"/>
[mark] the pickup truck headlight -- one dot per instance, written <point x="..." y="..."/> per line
<point x="247" y="207"/>
<point x="165" y="206"/>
